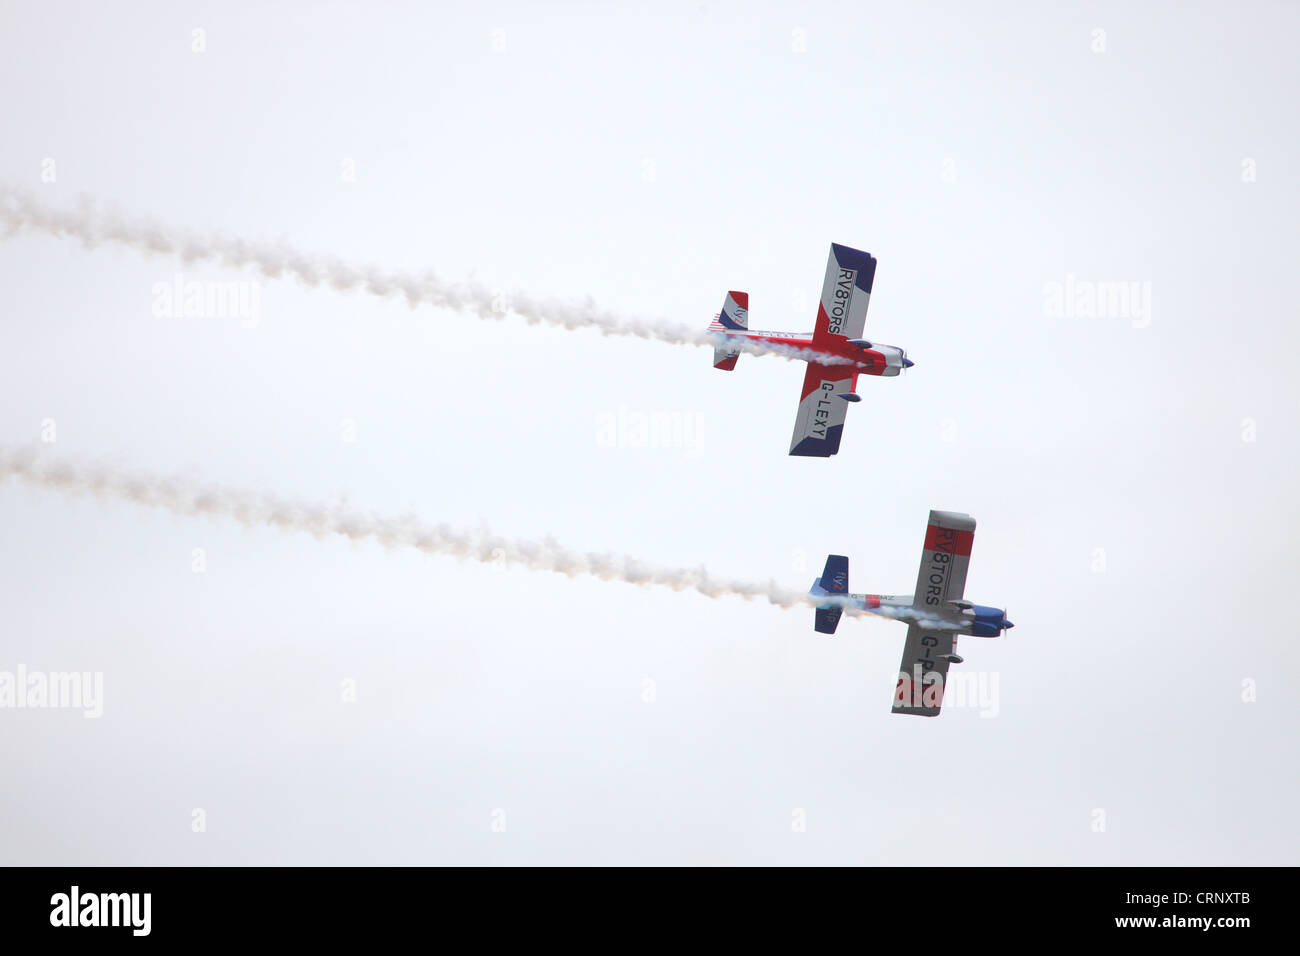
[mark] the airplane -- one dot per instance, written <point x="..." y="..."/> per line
<point x="827" y="387"/>
<point x="936" y="614"/>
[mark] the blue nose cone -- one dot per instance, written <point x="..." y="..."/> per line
<point x="908" y="363"/>
<point x="989" y="621"/>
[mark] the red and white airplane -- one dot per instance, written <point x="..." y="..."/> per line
<point x="839" y="353"/>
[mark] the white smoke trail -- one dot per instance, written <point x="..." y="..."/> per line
<point x="19" y="210"/>
<point x="184" y="497"/>
<point x="254" y="509"/>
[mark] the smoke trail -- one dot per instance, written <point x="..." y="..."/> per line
<point x="261" y="510"/>
<point x="254" y="509"/>
<point x="20" y="211"/>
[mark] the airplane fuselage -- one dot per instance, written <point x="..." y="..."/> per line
<point x="963" y="617"/>
<point x="877" y="360"/>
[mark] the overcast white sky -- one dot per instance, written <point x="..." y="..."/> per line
<point x="1133" y="477"/>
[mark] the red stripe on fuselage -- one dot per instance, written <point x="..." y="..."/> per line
<point x="948" y="540"/>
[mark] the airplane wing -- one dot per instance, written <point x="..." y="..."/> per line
<point x="846" y="292"/>
<point x="924" y="671"/>
<point x="941" y="578"/>
<point x="842" y="312"/>
<point x="819" y="423"/>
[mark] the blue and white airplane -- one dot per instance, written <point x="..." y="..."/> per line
<point x="936" y="614"/>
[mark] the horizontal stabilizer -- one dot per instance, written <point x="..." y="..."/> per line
<point x="734" y="317"/>
<point x="828" y="618"/>
<point x="834" y="580"/>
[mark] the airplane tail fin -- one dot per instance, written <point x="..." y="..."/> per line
<point x="834" y="580"/>
<point x="734" y="315"/>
